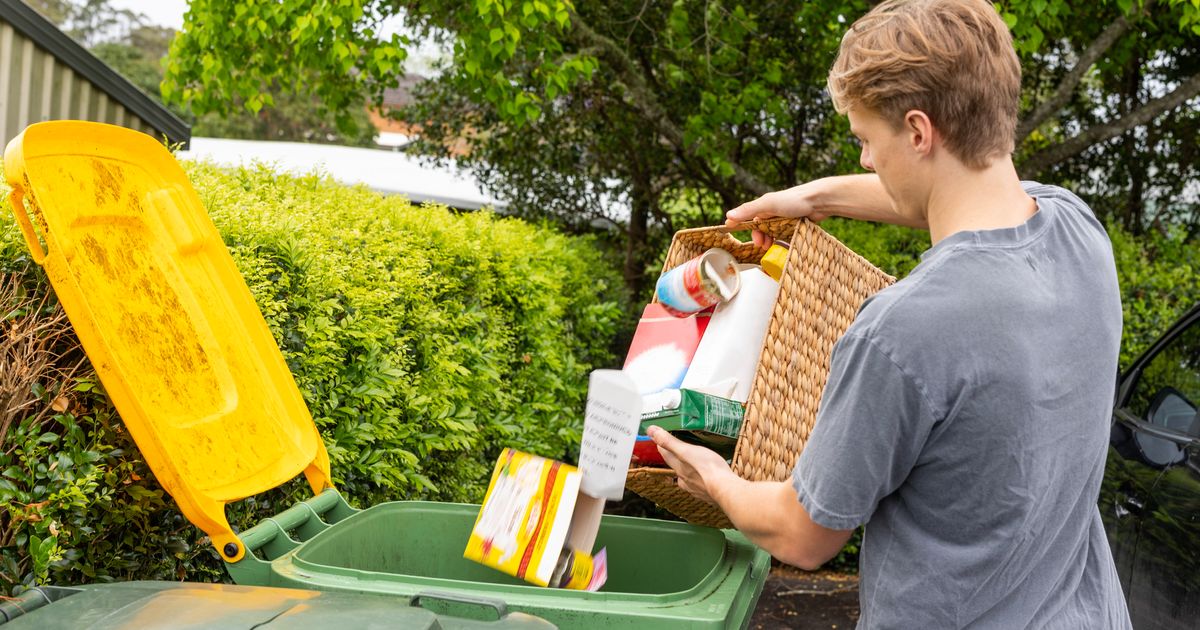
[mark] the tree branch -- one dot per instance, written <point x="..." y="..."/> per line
<point x="644" y="100"/>
<point x="1053" y="154"/>
<point x="1067" y="86"/>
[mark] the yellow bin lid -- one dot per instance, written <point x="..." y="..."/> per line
<point x="164" y="316"/>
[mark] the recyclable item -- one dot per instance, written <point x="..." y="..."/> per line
<point x="706" y="280"/>
<point x="824" y="285"/>
<point x="662" y="348"/>
<point x="722" y="388"/>
<point x="580" y="571"/>
<point x="645" y="452"/>
<point x="701" y="419"/>
<point x="732" y="343"/>
<point x="610" y="425"/>
<point x="585" y="522"/>
<point x="540" y="518"/>
<point x="658" y="401"/>
<point x="772" y="262"/>
<point x="522" y="525"/>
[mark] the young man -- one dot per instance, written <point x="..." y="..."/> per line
<point x="965" y="420"/>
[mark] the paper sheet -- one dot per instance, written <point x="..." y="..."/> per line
<point x="610" y="425"/>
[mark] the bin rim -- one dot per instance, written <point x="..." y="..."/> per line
<point x="293" y="562"/>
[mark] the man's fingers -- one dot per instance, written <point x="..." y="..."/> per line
<point x="667" y="445"/>
<point x="760" y="208"/>
<point x="662" y="437"/>
<point x="762" y="240"/>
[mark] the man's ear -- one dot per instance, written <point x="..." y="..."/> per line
<point x="920" y="131"/>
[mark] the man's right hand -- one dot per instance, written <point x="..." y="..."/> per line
<point x="794" y="203"/>
<point x="852" y="196"/>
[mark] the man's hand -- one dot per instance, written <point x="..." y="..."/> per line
<point x="852" y="196"/>
<point x="767" y="512"/>
<point x="698" y="470"/>
<point x="796" y="202"/>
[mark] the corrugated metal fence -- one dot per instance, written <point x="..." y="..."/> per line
<point x="34" y="86"/>
<point x="45" y="75"/>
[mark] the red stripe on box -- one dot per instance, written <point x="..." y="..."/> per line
<point x="525" y="559"/>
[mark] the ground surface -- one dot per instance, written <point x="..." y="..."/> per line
<point x="791" y="598"/>
<point x="807" y="601"/>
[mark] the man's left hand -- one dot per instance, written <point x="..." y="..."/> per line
<point x="699" y="471"/>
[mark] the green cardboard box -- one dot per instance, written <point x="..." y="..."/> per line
<point x="702" y="419"/>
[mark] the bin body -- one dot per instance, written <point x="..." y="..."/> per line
<point x="660" y="574"/>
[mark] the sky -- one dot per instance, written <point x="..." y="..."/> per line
<point x="159" y="12"/>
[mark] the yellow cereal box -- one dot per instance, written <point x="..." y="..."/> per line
<point x="523" y="523"/>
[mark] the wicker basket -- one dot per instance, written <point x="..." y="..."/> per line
<point x="824" y="284"/>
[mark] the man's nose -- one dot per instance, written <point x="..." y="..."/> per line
<point x="864" y="159"/>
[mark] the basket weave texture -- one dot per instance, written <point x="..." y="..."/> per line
<point x="824" y="283"/>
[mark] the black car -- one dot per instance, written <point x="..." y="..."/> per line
<point x="1150" y="499"/>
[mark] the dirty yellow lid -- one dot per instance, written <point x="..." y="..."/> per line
<point x="164" y="316"/>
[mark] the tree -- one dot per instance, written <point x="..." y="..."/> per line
<point x="565" y="109"/>
<point x="89" y="22"/>
<point x="136" y="49"/>
<point x="296" y="117"/>
<point x="138" y="55"/>
<point x="566" y="104"/>
<point x="1111" y="104"/>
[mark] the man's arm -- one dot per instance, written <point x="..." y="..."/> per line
<point x="859" y="197"/>
<point x="767" y="512"/>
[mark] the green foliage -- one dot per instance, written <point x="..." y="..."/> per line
<point x="893" y="248"/>
<point x="269" y="43"/>
<point x="136" y="65"/>
<point x="648" y="102"/>
<point x="1159" y="274"/>
<point x="82" y="506"/>
<point x="261" y="44"/>
<point x="88" y="21"/>
<point x="122" y="39"/>
<point x="423" y="342"/>
<point x="567" y="108"/>
<point x="1031" y="20"/>
<point x="1138" y="175"/>
<point x="294" y="117"/>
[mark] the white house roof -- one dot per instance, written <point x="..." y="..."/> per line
<point x="387" y="172"/>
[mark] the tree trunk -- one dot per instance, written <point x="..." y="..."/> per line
<point x="641" y="206"/>
<point x="1134" y="220"/>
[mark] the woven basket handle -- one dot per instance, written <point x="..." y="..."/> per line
<point x="777" y="227"/>
<point x="693" y="242"/>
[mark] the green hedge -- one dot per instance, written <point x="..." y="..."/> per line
<point x="423" y="341"/>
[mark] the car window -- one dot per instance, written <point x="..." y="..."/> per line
<point x="1168" y="390"/>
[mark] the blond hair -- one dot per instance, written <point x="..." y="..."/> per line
<point x="952" y="59"/>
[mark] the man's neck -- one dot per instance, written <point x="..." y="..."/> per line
<point x="986" y="199"/>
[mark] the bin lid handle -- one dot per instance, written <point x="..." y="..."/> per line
<point x="499" y="606"/>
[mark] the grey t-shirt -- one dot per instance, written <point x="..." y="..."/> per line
<point x="966" y="422"/>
